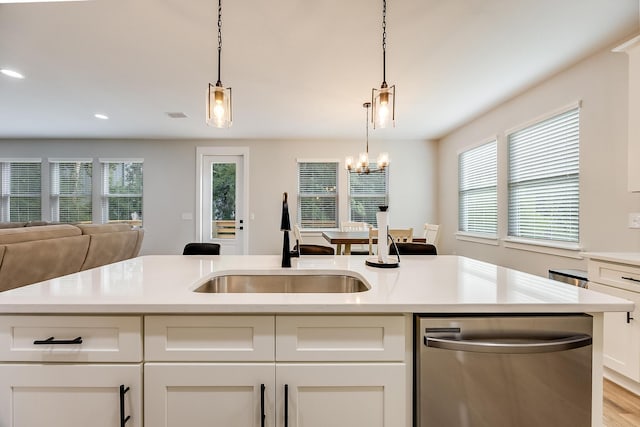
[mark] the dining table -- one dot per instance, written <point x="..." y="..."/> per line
<point x="348" y="238"/>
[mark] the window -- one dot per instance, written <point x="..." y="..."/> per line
<point x="317" y="194"/>
<point x="122" y="191"/>
<point x="366" y="193"/>
<point x="71" y="184"/>
<point x="543" y="182"/>
<point x="20" y="186"/>
<point x="477" y="189"/>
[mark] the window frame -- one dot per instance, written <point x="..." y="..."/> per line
<point x="482" y="237"/>
<point x="105" y="194"/>
<point x="350" y="196"/>
<point x="5" y="188"/>
<point x="334" y="195"/>
<point x="551" y="246"/>
<point x="54" y="187"/>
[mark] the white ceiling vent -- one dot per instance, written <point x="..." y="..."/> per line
<point x="177" y="115"/>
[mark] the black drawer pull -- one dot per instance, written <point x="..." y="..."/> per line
<point x="631" y="278"/>
<point x="53" y="340"/>
<point x="123" y="418"/>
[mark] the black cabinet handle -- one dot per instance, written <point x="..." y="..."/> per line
<point x="286" y="405"/>
<point x="53" y="340"/>
<point x="262" y="415"/>
<point x="629" y="318"/>
<point x="123" y="418"/>
<point x="630" y="278"/>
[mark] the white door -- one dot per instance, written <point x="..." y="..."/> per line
<point x="70" y="395"/>
<point x="223" y="210"/>
<point x="341" y="395"/>
<point x="209" y="394"/>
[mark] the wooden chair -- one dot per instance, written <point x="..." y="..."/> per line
<point x="413" y="248"/>
<point x="201" y="249"/>
<point x="356" y="226"/>
<point x="399" y="235"/>
<point x="431" y="233"/>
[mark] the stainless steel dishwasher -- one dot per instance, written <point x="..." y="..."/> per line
<point x="511" y="370"/>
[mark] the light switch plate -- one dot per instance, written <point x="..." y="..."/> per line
<point x="634" y="220"/>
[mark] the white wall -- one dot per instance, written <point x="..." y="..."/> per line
<point x="170" y="181"/>
<point x="601" y="83"/>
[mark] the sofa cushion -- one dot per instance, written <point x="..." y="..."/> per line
<point x="106" y="248"/>
<point x="12" y="224"/>
<point x="103" y="228"/>
<point x="45" y="232"/>
<point x="55" y="257"/>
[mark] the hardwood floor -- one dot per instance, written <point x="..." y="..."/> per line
<point x="621" y="407"/>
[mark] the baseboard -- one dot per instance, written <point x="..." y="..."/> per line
<point x="622" y="381"/>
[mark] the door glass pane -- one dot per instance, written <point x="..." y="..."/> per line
<point x="223" y="200"/>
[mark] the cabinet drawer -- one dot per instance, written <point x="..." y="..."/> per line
<point x="619" y="275"/>
<point x="340" y="338"/>
<point x="209" y="338"/>
<point x="70" y="339"/>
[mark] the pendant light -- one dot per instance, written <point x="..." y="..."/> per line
<point x="384" y="99"/>
<point x="362" y="166"/>
<point x="219" y="112"/>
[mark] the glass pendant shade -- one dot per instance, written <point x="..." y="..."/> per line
<point x="383" y="101"/>
<point x="219" y="113"/>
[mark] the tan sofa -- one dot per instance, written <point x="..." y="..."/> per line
<point x="30" y="254"/>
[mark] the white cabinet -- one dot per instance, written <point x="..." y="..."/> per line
<point x="358" y="375"/>
<point x="57" y="395"/>
<point x="342" y="395"/>
<point x="203" y="394"/>
<point x="621" y="349"/>
<point x="49" y="378"/>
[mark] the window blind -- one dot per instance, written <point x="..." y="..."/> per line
<point x="317" y="194"/>
<point x="21" y="191"/>
<point x="366" y="193"/>
<point x="477" y="189"/>
<point x="122" y="191"/>
<point x="71" y="191"/>
<point x="544" y="193"/>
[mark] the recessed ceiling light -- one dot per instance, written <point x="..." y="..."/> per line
<point x="11" y="73"/>
<point x="101" y="116"/>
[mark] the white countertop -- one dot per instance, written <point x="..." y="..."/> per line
<point x="422" y="284"/>
<point x="632" y="258"/>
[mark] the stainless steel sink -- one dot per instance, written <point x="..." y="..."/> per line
<point x="302" y="283"/>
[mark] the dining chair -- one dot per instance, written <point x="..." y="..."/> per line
<point x="201" y="249"/>
<point x="399" y="235"/>
<point x="413" y="248"/>
<point x="431" y="233"/>
<point x="356" y="226"/>
<point x="309" y="249"/>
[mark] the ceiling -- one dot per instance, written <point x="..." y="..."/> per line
<point x="298" y="68"/>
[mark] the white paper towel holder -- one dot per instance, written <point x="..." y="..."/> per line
<point x="382" y="260"/>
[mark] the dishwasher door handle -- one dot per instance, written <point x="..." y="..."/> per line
<point x="488" y="346"/>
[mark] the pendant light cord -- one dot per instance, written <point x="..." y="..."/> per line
<point x="367" y="105"/>
<point x="219" y="83"/>
<point x="384" y="43"/>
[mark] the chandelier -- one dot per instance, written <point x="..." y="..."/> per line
<point x="362" y="166"/>
<point x="219" y="98"/>
<point x="384" y="99"/>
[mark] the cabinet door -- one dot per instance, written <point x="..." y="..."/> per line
<point x="342" y="395"/>
<point x="621" y="350"/>
<point x="208" y="394"/>
<point x="70" y="395"/>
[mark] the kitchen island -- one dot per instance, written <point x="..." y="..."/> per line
<point x="351" y="352"/>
